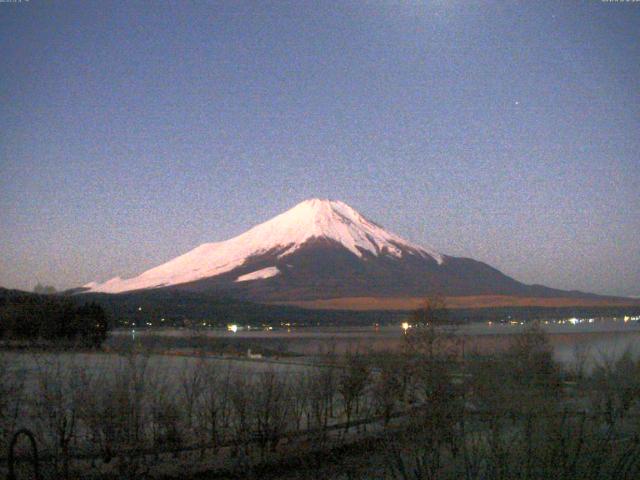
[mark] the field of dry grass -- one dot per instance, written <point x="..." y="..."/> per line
<point x="475" y="301"/>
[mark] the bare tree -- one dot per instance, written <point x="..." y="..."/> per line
<point x="298" y="394"/>
<point x="389" y="385"/>
<point x="270" y="409"/>
<point x="352" y="382"/>
<point x="165" y="415"/>
<point x="11" y="396"/>
<point x="114" y="411"/>
<point x="321" y="393"/>
<point x="191" y="385"/>
<point x="581" y="355"/>
<point x="214" y="405"/>
<point x="240" y="398"/>
<point x="61" y="384"/>
<point x="614" y="386"/>
<point x="432" y="353"/>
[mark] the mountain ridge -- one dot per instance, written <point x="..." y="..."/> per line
<point x="284" y="234"/>
<point x="324" y="249"/>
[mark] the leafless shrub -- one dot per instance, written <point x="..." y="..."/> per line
<point x="431" y="362"/>
<point x="115" y="412"/>
<point x="431" y="353"/>
<point x="241" y="404"/>
<point x="11" y="396"/>
<point x="191" y="381"/>
<point x="615" y="386"/>
<point x="270" y="410"/>
<point x="352" y="382"/>
<point x="321" y="393"/>
<point x="581" y="355"/>
<point x="299" y="389"/>
<point x="524" y="378"/>
<point x="166" y="420"/>
<point x="387" y="390"/>
<point x="530" y="352"/>
<point x="58" y="403"/>
<point x="214" y="406"/>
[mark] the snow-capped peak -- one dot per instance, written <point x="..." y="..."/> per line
<point x="337" y="221"/>
<point x="284" y="234"/>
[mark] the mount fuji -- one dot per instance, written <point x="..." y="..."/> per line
<point x="322" y="249"/>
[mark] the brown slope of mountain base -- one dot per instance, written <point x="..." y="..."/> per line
<point x="476" y="301"/>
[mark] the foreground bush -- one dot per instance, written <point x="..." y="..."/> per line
<point x="504" y="416"/>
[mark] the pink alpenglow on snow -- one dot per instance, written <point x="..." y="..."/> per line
<point x="285" y="233"/>
<point x="259" y="274"/>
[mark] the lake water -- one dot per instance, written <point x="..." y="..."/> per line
<point x="601" y="339"/>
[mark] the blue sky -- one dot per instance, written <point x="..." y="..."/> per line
<point x="508" y="132"/>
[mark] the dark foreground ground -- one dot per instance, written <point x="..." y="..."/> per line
<point x="433" y="407"/>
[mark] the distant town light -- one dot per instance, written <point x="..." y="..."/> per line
<point x="232" y="328"/>
<point x="405" y="326"/>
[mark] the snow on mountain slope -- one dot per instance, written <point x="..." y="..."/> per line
<point x="259" y="274"/>
<point x="283" y="234"/>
